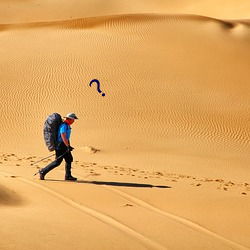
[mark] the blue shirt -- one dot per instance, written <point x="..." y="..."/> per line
<point x="64" y="128"/>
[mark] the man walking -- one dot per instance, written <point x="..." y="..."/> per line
<point x="63" y="150"/>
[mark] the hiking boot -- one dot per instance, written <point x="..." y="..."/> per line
<point x="41" y="175"/>
<point x="70" y="178"/>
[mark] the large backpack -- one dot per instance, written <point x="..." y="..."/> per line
<point x="50" y="130"/>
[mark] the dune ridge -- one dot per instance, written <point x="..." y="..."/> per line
<point x="110" y="20"/>
<point x="50" y="11"/>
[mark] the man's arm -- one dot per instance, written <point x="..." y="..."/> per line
<point x="66" y="142"/>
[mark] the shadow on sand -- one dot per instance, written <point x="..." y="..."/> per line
<point x="119" y="184"/>
<point x="122" y="184"/>
<point x="114" y="183"/>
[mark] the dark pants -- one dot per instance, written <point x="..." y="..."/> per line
<point x="67" y="156"/>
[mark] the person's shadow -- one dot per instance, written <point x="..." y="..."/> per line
<point x="122" y="184"/>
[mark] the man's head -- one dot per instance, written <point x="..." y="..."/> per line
<point x="70" y="118"/>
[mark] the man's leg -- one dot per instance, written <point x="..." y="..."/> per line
<point x="52" y="165"/>
<point x="68" y="160"/>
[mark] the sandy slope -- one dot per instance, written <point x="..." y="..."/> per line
<point x="173" y="132"/>
<point x="176" y="105"/>
<point x="52" y="10"/>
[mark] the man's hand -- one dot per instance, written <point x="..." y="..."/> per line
<point x="69" y="148"/>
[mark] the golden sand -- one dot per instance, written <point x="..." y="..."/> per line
<point x="162" y="159"/>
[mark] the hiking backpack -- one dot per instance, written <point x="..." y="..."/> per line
<point x="50" y="130"/>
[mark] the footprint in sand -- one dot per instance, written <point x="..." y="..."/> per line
<point x="128" y="205"/>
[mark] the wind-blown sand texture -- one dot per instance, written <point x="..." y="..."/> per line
<point x="162" y="159"/>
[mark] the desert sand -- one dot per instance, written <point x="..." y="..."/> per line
<point x="162" y="160"/>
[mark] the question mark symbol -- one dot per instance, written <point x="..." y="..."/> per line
<point x="98" y="86"/>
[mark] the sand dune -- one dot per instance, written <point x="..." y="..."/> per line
<point x="37" y="11"/>
<point x="162" y="159"/>
<point x="8" y="197"/>
<point x="194" y="110"/>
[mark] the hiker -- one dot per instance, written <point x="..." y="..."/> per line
<point x="63" y="149"/>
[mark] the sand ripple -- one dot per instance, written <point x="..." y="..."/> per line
<point x="171" y="81"/>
